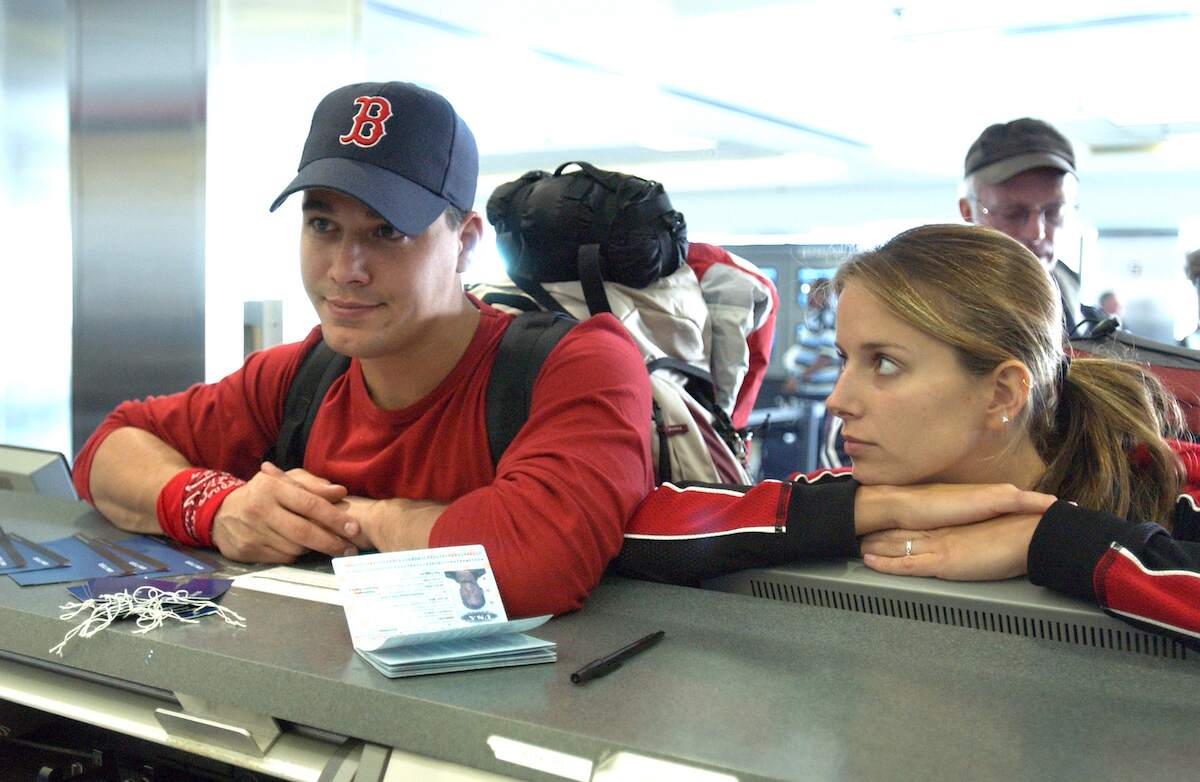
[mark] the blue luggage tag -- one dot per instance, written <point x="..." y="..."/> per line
<point x="21" y="555"/>
<point x="151" y="600"/>
<point x="180" y="559"/>
<point x="197" y="589"/>
<point x="9" y="556"/>
<point x="153" y="557"/>
<point x="80" y="562"/>
<point x="83" y="556"/>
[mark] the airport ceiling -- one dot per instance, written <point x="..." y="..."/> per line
<point x="796" y="93"/>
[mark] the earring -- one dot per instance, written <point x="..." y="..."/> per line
<point x="1004" y="419"/>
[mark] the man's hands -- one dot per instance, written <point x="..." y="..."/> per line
<point x="397" y="524"/>
<point x="960" y="532"/>
<point x="984" y="551"/>
<point x="278" y="516"/>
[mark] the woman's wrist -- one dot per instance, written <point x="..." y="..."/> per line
<point x="874" y="509"/>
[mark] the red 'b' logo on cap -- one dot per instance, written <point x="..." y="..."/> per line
<point x="368" y="128"/>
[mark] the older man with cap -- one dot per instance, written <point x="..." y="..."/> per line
<point x="397" y="454"/>
<point x="1191" y="268"/>
<point x="1019" y="178"/>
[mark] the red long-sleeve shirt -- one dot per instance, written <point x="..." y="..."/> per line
<point x="550" y="515"/>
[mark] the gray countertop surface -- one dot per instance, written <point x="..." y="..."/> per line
<point x="750" y="687"/>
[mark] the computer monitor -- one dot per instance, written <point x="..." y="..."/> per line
<point x="1012" y="607"/>
<point x="36" y="472"/>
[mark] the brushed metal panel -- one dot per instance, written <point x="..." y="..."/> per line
<point x="138" y="92"/>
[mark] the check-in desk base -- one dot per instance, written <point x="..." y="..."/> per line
<point x="291" y="756"/>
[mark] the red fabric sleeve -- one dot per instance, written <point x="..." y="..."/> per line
<point x="701" y="257"/>
<point x="1189" y="457"/>
<point x="226" y="425"/>
<point x="564" y="489"/>
<point x="1136" y="571"/>
<point x="688" y="533"/>
<point x="1163" y="599"/>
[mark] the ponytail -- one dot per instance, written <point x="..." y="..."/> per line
<point x="1102" y="440"/>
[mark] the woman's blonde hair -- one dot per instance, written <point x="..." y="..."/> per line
<point x="1098" y="424"/>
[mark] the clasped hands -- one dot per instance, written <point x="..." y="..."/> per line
<point x="277" y="516"/>
<point x="960" y="532"/>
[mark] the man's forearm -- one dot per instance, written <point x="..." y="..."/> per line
<point x="128" y="471"/>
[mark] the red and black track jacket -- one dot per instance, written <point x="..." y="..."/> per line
<point x="1136" y="571"/>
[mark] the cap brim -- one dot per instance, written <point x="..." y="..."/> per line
<point x="407" y="206"/>
<point x="1008" y="168"/>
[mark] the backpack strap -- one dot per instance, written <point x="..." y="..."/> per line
<point x="514" y="300"/>
<point x="663" y="471"/>
<point x="591" y="279"/>
<point x="539" y="294"/>
<point x="316" y="374"/>
<point x="523" y="349"/>
<point x="699" y="384"/>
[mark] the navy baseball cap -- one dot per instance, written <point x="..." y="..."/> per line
<point x="1006" y="149"/>
<point x="400" y="149"/>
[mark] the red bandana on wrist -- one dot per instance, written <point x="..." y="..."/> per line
<point x="189" y="502"/>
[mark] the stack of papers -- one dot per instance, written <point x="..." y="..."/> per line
<point x="433" y="611"/>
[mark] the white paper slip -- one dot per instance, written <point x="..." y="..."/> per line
<point x="292" y="582"/>
<point x="432" y="610"/>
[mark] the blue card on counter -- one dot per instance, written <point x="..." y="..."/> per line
<point x="83" y="562"/>
<point x="89" y="557"/>
<point x="179" y="561"/>
<point x="9" y="556"/>
<point x="18" y="554"/>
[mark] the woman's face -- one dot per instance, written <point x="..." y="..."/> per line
<point x="912" y="413"/>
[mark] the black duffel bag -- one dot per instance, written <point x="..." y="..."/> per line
<point x="589" y="225"/>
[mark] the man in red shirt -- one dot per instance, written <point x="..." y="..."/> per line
<point x="397" y="457"/>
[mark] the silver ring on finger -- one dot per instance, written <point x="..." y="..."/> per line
<point x="908" y="547"/>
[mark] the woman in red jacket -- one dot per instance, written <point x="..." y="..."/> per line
<point x="980" y="450"/>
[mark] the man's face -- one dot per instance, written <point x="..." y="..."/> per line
<point x="1030" y="207"/>
<point x="469" y="589"/>
<point x="1110" y="304"/>
<point x="376" y="290"/>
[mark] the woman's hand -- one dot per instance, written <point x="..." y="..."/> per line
<point x="984" y="551"/>
<point x="933" y="505"/>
